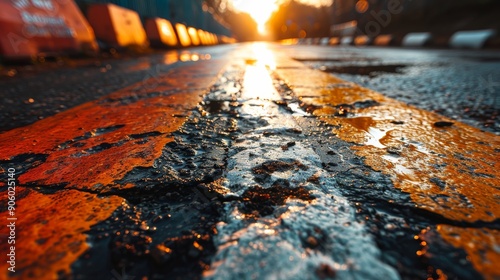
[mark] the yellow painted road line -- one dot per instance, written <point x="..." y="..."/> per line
<point x="447" y="167"/>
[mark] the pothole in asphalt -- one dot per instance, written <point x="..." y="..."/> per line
<point x="258" y="201"/>
<point x="340" y="59"/>
<point x="216" y="106"/>
<point x="262" y="172"/>
<point x="366" y="70"/>
<point x="271" y="166"/>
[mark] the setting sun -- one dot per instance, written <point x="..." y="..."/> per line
<point x="259" y="10"/>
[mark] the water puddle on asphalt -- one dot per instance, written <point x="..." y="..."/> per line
<point x="354" y="129"/>
<point x="406" y="175"/>
<point x="217" y="106"/>
<point x="374" y="136"/>
<point x="367" y="124"/>
<point x="297" y="110"/>
<point x="168" y="58"/>
<point x="143" y="64"/>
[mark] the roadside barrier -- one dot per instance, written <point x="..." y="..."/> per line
<point x="28" y="28"/>
<point x="160" y="33"/>
<point x="116" y="26"/>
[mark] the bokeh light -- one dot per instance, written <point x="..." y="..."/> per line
<point x="362" y="6"/>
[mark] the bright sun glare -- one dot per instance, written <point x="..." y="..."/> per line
<point x="259" y="10"/>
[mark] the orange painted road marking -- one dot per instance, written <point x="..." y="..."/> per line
<point x="480" y="244"/>
<point x="92" y="147"/>
<point x="50" y="231"/>
<point x="95" y="144"/>
<point x="451" y="171"/>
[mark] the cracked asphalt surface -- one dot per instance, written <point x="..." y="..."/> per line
<point x="252" y="161"/>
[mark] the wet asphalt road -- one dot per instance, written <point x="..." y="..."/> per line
<point x="462" y="85"/>
<point x="34" y="92"/>
<point x="249" y="174"/>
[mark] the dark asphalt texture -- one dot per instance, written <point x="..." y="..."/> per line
<point x="56" y="86"/>
<point x="178" y="202"/>
<point x="461" y="84"/>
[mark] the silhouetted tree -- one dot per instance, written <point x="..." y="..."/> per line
<point x="294" y="19"/>
<point x="243" y="26"/>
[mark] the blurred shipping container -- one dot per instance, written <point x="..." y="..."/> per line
<point x="28" y="29"/>
<point x="161" y="32"/>
<point x="188" y="12"/>
<point x="116" y="26"/>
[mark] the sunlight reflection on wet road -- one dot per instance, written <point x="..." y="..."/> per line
<point x="301" y="173"/>
<point x="255" y="246"/>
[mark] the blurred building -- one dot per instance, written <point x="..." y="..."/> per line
<point x="422" y="15"/>
<point x="193" y="13"/>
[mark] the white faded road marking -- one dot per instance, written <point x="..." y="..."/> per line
<point x="273" y="247"/>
